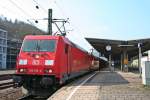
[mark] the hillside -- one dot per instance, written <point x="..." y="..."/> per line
<point x="18" y="29"/>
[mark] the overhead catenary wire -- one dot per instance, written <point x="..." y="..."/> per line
<point x="38" y="5"/>
<point x="60" y="8"/>
<point x="23" y="11"/>
<point x="19" y="8"/>
<point x="64" y="14"/>
<point x="28" y="15"/>
<point x="3" y="7"/>
<point x="73" y="25"/>
<point x="12" y="12"/>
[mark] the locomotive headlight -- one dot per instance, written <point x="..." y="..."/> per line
<point x="49" y="62"/>
<point x="47" y="71"/>
<point x="50" y="71"/>
<point x="21" y="70"/>
<point x="22" y="61"/>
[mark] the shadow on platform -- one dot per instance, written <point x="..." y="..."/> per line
<point x="104" y="78"/>
<point x="107" y="78"/>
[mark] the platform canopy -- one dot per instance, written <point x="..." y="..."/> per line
<point x="120" y="46"/>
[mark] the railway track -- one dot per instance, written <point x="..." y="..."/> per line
<point x="6" y="76"/>
<point x="10" y="94"/>
<point x="6" y="85"/>
<point x="32" y="97"/>
<point x="26" y="97"/>
<point x="6" y="81"/>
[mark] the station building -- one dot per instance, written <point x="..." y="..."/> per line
<point x="9" y="49"/>
<point x="13" y="47"/>
<point x="3" y="48"/>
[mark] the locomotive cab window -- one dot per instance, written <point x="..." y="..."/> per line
<point x="39" y="45"/>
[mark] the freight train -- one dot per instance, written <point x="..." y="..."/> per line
<point x="45" y="62"/>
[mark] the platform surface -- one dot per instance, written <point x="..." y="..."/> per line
<point x="104" y="85"/>
<point x="3" y="72"/>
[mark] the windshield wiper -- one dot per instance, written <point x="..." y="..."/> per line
<point x="37" y="46"/>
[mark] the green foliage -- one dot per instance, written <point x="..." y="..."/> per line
<point x="18" y="29"/>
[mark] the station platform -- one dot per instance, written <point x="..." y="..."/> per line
<point x="6" y="72"/>
<point x="104" y="85"/>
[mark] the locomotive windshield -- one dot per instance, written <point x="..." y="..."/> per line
<point x="39" y="45"/>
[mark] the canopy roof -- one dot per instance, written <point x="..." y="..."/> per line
<point x="118" y="46"/>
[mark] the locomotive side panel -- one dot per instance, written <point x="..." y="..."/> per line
<point x="80" y="62"/>
<point x="62" y="61"/>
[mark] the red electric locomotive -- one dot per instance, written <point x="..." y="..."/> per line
<point x="45" y="61"/>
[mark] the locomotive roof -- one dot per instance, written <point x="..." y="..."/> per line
<point x="66" y="40"/>
<point x="40" y="37"/>
<point x="73" y="44"/>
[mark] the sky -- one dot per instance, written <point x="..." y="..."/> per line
<point x="106" y="19"/>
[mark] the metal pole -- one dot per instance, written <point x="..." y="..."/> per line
<point x="110" y="62"/>
<point x="127" y="62"/>
<point x="121" y="63"/>
<point x="50" y="21"/>
<point x="99" y="61"/>
<point x="108" y="48"/>
<point x="140" y="55"/>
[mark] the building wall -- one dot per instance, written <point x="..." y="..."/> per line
<point x="3" y="48"/>
<point x="12" y="52"/>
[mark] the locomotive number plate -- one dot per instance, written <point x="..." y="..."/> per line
<point x="35" y="62"/>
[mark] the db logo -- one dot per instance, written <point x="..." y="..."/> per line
<point x="35" y="62"/>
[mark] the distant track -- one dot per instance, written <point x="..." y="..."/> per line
<point x="6" y="85"/>
<point x="6" y="81"/>
<point x="10" y="94"/>
<point x="6" y="77"/>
